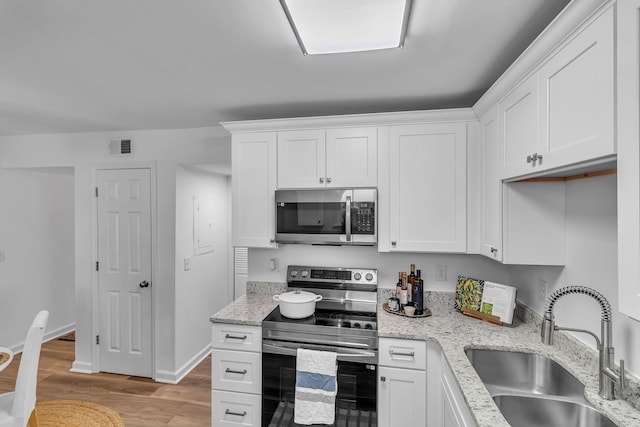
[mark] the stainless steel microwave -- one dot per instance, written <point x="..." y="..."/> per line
<point x="327" y="217"/>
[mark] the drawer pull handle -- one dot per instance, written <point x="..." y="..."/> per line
<point x="237" y="414"/>
<point x="397" y="353"/>
<point x="231" y="371"/>
<point x="236" y="337"/>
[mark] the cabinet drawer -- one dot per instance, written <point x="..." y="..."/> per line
<point x="235" y="409"/>
<point x="237" y="337"/>
<point x="402" y="353"/>
<point x="239" y="371"/>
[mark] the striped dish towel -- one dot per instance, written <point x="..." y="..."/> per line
<point x="316" y="387"/>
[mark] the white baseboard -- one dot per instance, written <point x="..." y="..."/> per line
<point x="48" y="336"/>
<point x="169" y="377"/>
<point x="81" y="367"/>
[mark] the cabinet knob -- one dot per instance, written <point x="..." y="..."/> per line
<point x="321" y="180"/>
<point x="328" y="180"/>
<point x="272" y="240"/>
<point x="529" y="158"/>
<point x="383" y="379"/>
<point x="494" y="250"/>
<point x="393" y="243"/>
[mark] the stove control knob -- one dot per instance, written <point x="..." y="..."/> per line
<point x="369" y="277"/>
<point x="368" y="326"/>
<point x="294" y="273"/>
<point x="305" y="273"/>
<point x="357" y="276"/>
<point x="357" y="325"/>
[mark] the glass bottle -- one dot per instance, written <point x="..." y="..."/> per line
<point x="399" y="284"/>
<point x="404" y="291"/>
<point x="394" y="302"/>
<point x="417" y="291"/>
<point x="410" y="279"/>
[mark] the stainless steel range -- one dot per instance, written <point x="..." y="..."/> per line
<point x="344" y="322"/>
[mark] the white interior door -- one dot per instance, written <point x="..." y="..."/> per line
<point x="124" y="273"/>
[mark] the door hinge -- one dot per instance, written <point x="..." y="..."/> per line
<point x="96" y="191"/>
<point x="97" y="265"/>
<point x="97" y="339"/>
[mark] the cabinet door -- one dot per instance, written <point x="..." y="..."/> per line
<point x="253" y="189"/>
<point x="427" y="188"/>
<point x="301" y="159"/>
<point x="401" y="397"/>
<point x="352" y="157"/>
<point x="577" y="97"/>
<point x="628" y="73"/>
<point x="455" y="412"/>
<point x="491" y="187"/>
<point x="519" y="128"/>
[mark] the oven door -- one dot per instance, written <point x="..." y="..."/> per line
<point x="356" y="398"/>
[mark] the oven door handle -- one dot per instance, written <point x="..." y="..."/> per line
<point x="344" y="300"/>
<point x="292" y="351"/>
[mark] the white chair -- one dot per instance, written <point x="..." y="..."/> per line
<point x="17" y="406"/>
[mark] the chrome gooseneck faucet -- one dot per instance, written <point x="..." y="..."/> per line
<point x="607" y="375"/>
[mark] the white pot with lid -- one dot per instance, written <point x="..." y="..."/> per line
<point x="297" y="304"/>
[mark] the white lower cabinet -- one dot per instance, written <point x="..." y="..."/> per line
<point x="236" y="375"/>
<point x="402" y="383"/>
<point x="455" y="412"/>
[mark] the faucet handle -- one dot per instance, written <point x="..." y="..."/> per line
<point x="623" y="376"/>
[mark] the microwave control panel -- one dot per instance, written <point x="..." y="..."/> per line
<point x="363" y="219"/>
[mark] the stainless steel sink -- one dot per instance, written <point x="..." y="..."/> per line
<point x="529" y="411"/>
<point x="532" y="390"/>
<point x="523" y="372"/>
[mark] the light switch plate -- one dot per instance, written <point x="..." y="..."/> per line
<point x="187" y="263"/>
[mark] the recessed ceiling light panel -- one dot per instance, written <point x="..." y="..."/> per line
<point x="339" y="26"/>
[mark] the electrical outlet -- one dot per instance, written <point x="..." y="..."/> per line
<point x="441" y="273"/>
<point x="187" y="263"/>
<point x="542" y="289"/>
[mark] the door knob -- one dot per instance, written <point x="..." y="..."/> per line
<point x="144" y="284"/>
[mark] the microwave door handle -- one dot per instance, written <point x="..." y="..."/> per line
<point x="348" y="219"/>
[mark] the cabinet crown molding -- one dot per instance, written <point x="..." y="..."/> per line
<point x="350" y="120"/>
<point x="574" y="15"/>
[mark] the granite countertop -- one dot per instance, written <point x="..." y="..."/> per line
<point x="454" y="332"/>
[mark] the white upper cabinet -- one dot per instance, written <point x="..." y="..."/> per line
<point x="519" y="127"/>
<point x="577" y="97"/>
<point x="253" y="189"/>
<point x="318" y="158"/>
<point x="352" y="157"/>
<point x="563" y="113"/>
<point x="427" y="188"/>
<point x="491" y="187"/>
<point x="301" y="159"/>
<point x="628" y="75"/>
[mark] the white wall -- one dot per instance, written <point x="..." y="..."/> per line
<point x="204" y="288"/>
<point x="37" y="237"/>
<point x="388" y="264"/>
<point x="166" y="149"/>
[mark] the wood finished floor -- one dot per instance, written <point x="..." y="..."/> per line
<point x="139" y="401"/>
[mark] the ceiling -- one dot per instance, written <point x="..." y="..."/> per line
<point x="95" y="65"/>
